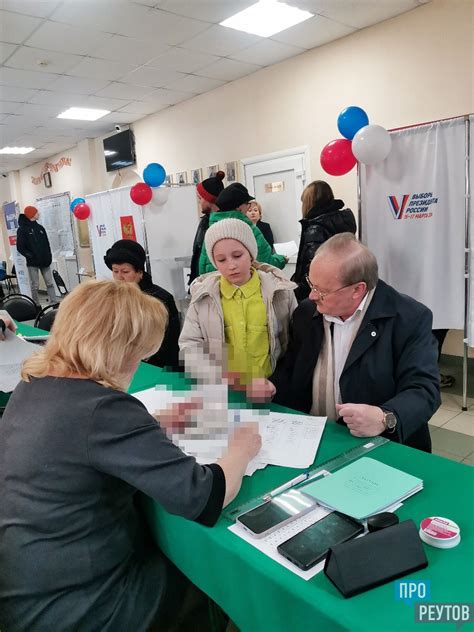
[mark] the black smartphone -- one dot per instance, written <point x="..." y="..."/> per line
<point x="276" y="512"/>
<point x="310" y="546"/>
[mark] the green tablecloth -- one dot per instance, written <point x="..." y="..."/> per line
<point x="260" y="595"/>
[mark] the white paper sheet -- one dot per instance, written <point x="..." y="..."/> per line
<point x="13" y="350"/>
<point x="287" y="248"/>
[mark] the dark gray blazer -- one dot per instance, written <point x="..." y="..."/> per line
<point x="392" y="363"/>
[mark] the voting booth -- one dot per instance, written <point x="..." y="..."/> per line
<point x="415" y="215"/>
<point x="166" y="231"/>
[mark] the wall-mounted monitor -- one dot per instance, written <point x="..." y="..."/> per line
<point x="119" y="150"/>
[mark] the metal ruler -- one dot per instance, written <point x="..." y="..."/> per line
<point x="321" y="470"/>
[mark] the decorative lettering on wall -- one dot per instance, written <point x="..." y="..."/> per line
<point x="49" y="167"/>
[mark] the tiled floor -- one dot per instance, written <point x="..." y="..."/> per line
<point x="452" y="429"/>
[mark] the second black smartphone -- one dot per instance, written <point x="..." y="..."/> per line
<point x="310" y="546"/>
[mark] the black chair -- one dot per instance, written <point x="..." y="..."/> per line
<point x="9" y="278"/>
<point x="62" y="289"/>
<point x="20" y="307"/>
<point x="45" y="318"/>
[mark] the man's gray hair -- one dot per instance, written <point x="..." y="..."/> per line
<point x="358" y="263"/>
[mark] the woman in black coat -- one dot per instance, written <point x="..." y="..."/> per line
<point x="254" y="214"/>
<point x="323" y="217"/>
<point x="127" y="260"/>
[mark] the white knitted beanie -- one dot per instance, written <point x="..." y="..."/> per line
<point x="230" y="229"/>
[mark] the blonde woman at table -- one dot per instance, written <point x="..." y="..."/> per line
<point x="74" y="449"/>
<point x="238" y="320"/>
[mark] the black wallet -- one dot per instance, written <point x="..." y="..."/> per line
<point x="377" y="558"/>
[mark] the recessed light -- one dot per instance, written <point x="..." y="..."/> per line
<point x="83" y="114"/>
<point x="266" y="18"/>
<point x="16" y="150"/>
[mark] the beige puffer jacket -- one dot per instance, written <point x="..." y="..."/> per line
<point x="202" y="338"/>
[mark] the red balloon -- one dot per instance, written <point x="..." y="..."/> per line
<point x="141" y="193"/>
<point x="337" y="157"/>
<point x="82" y="210"/>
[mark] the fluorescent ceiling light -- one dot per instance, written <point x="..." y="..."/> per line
<point x="83" y="114"/>
<point x="266" y="18"/>
<point x="16" y="150"/>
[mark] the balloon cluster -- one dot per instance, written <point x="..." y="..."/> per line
<point x="362" y="142"/>
<point x="79" y="208"/>
<point x="142" y="193"/>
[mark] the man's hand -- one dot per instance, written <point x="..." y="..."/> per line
<point x="6" y="323"/>
<point x="260" y="390"/>
<point x="361" y="419"/>
<point x="246" y="439"/>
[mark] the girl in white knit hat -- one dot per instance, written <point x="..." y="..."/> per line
<point x="238" y="319"/>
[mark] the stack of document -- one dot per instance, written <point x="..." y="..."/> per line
<point x="287" y="440"/>
<point x="364" y="488"/>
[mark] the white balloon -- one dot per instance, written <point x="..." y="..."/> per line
<point x="371" y="144"/>
<point x="160" y="195"/>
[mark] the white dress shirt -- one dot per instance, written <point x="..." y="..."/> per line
<point x="344" y="333"/>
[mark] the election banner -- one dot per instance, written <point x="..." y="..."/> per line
<point x="413" y="217"/>
<point x="11" y="212"/>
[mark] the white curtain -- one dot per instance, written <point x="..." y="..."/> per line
<point x="470" y="321"/>
<point x="113" y="216"/>
<point x="413" y="217"/>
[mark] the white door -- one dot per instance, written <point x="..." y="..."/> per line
<point x="277" y="182"/>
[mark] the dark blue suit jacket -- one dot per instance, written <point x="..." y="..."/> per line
<point x="392" y="363"/>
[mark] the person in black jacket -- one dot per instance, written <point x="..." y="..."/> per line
<point x="207" y="192"/>
<point x="32" y="242"/>
<point x="359" y="351"/>
<point x="322" y="218"/>
<point x="254" y="214"/>
<point x="126" y="258"/>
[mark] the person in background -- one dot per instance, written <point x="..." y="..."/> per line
<point x="323" y="217"/>
<point x="254" y="213"/>
<point x="207" y="192"/>
<point x="233" y="203"/>
<point x="32" y="242"/>
<point x="127" y="258"/>
<point x="359" y="351"/>
<point x="238" y="319"/>
<point x="75" y="448"/>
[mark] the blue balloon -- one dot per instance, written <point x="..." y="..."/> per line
<point x="351" y="120"/>
<point x="75" y="202"/>
<point x="154" y="174"/>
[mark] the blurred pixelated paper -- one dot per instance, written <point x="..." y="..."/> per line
<point x="288" y="440"/>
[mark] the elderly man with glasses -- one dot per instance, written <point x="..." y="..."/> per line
<point x="359" y="351"/>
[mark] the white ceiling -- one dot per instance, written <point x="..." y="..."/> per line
<point x="137" y="57"/>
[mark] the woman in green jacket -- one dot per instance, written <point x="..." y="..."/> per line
<point x="233" y="202"/>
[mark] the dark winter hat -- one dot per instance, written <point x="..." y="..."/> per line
<point x="30" y="211"/>
<point x="210" y="188"/>
<point x="126" y="251"/>
<point x="233" y="196"/>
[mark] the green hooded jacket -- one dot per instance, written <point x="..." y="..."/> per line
<point x="265" y="254"/>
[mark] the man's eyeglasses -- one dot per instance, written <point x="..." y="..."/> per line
<point x="322" y="295"/>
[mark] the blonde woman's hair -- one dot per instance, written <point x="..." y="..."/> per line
<point x="99" y="328"/>
<point x="317" y="192"/>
